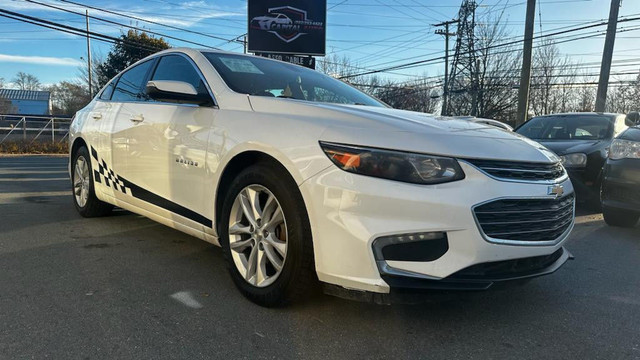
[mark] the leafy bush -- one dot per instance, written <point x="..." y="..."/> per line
<point x="36" y="147"/>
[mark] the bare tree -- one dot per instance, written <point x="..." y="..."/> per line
<point x="83" y="72"/>
<point x="498" y="71"/>
<point x="24" y="81"/>
<point x="553" y="79"/>
<point x="1" y="82"/>
<point x="68" y="97"/>
<point x="414" y="96"/>
<point x="625" y="98"/>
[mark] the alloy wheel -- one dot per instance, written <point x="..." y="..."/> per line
<point x="81" y="181"/>
<point x="258" y="235"/>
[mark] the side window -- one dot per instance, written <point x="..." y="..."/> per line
<point x="130" y="86"/>
<point x="108" y="90"/>
<point x="177" y="68"/>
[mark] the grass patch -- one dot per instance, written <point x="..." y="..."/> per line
<point x="36" y="147"/>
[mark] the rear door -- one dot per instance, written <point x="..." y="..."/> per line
<point x="102" y="115"/>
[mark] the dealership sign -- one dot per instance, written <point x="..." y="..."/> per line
<point x="306" y="61"/>
<point x="287" y="26"/>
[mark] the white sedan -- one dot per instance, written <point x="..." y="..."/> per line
<point x="300" y="177"/>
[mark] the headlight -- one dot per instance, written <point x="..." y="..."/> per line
<point x="574" y="160"/>
<point x="394" y="165"/>
<point x="624" y="149"/>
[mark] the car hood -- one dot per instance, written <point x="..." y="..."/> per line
<point x="407" y="130"/>
<point x="562" y="147"/>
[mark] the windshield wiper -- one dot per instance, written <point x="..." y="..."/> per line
<point x="286" y="97"/>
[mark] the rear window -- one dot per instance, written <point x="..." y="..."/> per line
<point x="571" y="127"/>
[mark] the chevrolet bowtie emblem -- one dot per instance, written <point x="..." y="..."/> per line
<point x="556" y="190"/>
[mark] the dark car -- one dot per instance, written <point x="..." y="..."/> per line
<point x="621" y="180"/>
<point x="581" y="140"/>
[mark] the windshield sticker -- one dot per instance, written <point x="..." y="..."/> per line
<point x="240" y="65"/>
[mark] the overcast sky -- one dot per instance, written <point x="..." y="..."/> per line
<point x="372" y="33"/>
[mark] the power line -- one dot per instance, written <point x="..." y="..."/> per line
<point x="401" y="66"/>
<point x="71" y="30"/>
<point x="121" y="24"/>
<point x="142" y="19"/>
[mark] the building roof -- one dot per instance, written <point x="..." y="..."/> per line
<point x="12" y="94"/>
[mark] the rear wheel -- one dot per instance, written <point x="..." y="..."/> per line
<point x="266" y="237"/>
<point x="84" y="196"/>
<point x="620" y="217"/>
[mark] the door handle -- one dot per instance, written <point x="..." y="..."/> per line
<point x="137" y="118"/>
<point x="96" y="115"/>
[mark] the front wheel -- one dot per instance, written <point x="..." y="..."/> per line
<point x="266" y="237"/>
<point x="619" y="217"/>
<point x="84" y="195"/>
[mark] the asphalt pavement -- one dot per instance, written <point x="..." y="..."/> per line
<point x="125" y="287"/>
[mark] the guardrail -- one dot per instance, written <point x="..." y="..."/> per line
<point x="23" y="127"/>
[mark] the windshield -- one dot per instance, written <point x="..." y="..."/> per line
<point x="573" y="127"/>
<point x="263" y="77"/>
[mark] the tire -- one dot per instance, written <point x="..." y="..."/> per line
<point x="267" y="285"/>
<point x="83" y="195"/>
<point x="619" y="217"/>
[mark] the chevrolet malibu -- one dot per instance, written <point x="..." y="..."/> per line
<point x="303" y="179"/>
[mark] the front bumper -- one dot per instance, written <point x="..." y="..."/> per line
<point x="348" y="212"/>
<point x="476" y="277"/>
<point x="586" y="186"/>
<point x="621" y="184"/>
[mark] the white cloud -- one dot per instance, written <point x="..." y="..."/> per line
<point x="40" y="60"/>
<point x="166" y="14"/>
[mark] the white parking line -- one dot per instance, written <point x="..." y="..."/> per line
<point x="6" y="198"/>
<point x="186" y="299"/>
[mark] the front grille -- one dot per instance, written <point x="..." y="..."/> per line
<point x="517" y="170"/>
<point x="508" y="268"/>
<point x="526" y="219"/>
<point x="622" y="193"/>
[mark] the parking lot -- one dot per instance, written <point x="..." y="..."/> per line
<point x="125" y="287"/>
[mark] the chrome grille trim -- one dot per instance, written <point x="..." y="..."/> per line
<point x="520" y="171"/>
<point x="564" y="218"/>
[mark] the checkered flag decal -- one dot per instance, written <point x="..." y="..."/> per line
<point x="105" y="175"/>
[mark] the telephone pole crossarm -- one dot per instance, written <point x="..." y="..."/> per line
<point x="446" y="34"/>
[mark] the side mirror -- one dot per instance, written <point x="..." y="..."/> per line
<point x="633" y="118"/>
<point x="176" y="92"/>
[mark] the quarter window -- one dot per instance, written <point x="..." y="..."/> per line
<point x="131" y="85"/>
<point x="177" y="68"/>
<point x="108" y="91"/>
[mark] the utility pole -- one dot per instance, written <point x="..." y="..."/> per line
<point x="446" y="34"/>
<point x="605" y="66"/>
<point x="89" y="56"/>
<point x="461" y="79"/>
<point x="525" y="75"/>
<point x="245" y="43"/>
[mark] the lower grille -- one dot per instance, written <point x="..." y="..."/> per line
<point x="523" y="171"/>
<point x="526" y="219"/>
<point x="622" y="193"/>
<point x="508" y="268"/>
